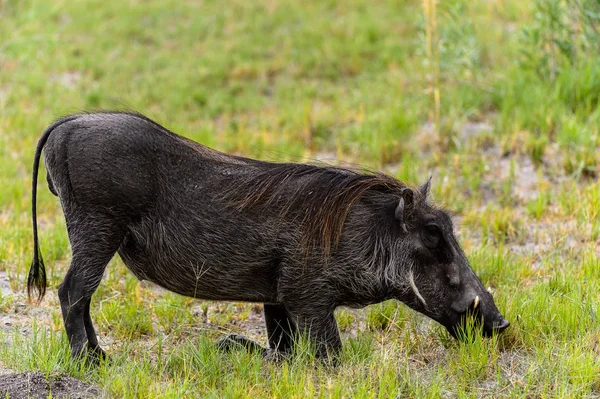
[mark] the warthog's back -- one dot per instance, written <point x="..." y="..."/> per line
<point x="115" y="161"/>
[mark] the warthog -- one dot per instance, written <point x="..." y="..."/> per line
<point x="302" y="239"/>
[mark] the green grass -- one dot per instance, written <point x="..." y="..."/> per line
<point x="515" y="154"/>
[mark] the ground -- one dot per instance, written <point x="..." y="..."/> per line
<point x="36" y="385"/>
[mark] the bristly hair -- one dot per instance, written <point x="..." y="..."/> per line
<point x="319" y="198"/>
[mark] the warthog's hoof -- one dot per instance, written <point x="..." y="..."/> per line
<point x="275" y="356"/>
<point x="92" y="356"/>
<point x="234" y="341"/>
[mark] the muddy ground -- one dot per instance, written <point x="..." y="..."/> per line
<point x="33" y="385"/>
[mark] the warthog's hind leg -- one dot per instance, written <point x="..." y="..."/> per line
<point x="94" y="241"/>
<point x="94" y="348"/>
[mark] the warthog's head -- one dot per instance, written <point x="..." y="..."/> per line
<point x="432" y="274"/>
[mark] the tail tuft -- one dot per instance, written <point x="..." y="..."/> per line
<point x="36" y="281"/>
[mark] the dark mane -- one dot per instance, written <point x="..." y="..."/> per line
<point x="319" y="198"/>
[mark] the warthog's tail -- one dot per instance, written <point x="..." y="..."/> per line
<point x="37" y="272"/>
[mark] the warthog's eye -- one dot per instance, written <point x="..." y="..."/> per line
<point x="432" y="234"/>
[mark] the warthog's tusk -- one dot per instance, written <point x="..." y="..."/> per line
<point x="476" y="302"/>
<point x="411" y="280"/>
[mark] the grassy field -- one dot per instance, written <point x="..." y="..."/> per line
<point x="498" y="100"/>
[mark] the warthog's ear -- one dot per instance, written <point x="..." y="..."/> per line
<point x="406" y="202"/>
<point x="425" y="188"/>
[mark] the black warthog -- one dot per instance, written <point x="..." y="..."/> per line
<point x="302" y="239"/>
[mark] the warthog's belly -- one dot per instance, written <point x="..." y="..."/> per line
<point x="202" y="272"/>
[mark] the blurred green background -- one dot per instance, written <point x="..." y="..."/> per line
<point x="497" y="99"/>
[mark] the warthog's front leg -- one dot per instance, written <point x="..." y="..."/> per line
<point x="319" y="325"/>
<point x="281" y="331"/>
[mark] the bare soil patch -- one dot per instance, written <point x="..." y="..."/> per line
<point x="33" y="385"/>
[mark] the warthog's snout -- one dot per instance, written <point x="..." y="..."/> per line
<point x="500" y="325"/>
<point x="484" y="312"/>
